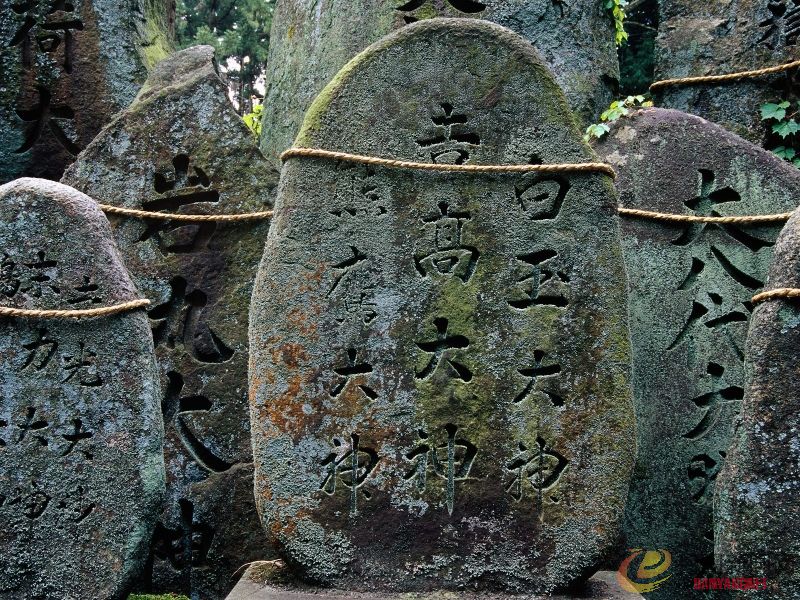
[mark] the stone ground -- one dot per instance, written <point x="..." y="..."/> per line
<point x="263" y="582"/>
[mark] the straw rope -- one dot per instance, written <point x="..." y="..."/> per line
<point x="723" y="78"/>
<point x="741" y="220"/>
<point x="776" y="294"/>
<point x="445" y="168"/>
<point x="89" y="313"/>
<point x="144" y="214"/>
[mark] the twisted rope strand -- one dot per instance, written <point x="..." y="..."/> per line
<point x="776" y="294"/>
<point x="406" y="164"/>
<point x="723" y="78"/>
<point x="144" y="214"/>
<point x="89" y="313"/>
<point x="744" y="219"/>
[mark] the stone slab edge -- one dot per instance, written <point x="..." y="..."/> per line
<point x="264" y="583"/>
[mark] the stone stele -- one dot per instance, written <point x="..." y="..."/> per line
<point x="312" y="39"/>
<point x="82" y="474"/>
<point x="758" y="494"/>
<point x="690" y="291"/>
<point x="715" y="38"/>
<point x="182" y="148"/>
<point x="440" y="363"/>
<point x="66" y="67"/>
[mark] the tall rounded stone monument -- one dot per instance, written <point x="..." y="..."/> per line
<point x="180" y="148"/>
<point x="312" y="39"/>
<point x="691" y="285"/>
<point x="81" y="463"/>
<point x="757" y="506"/>
<point x="439" y="372"/>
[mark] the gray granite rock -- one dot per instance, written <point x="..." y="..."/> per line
<point x="440" y="363"/>
<point x="714" y="38"/>
<point x="81" y="463"/>
<point x="266" y="582"/>
<point x="67" y="67"/>
<point x="181" y="147"/>
<point x="690" y="291"/>
<point x="311" y="40"/>
<point x="757" y="508"/>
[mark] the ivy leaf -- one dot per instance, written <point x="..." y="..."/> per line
<point x="597" y="130"/>
<point x="796" y="162"/>
<point x="786" y="128"/>
<point x="785" y="153"/>
<point x="774" y="111"/>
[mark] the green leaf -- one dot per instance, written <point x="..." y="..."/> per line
<point x="774" y="111"/>
<point x="786" y="128"/>
<point x="785" y="153"/>
<point x="598" y="130"/>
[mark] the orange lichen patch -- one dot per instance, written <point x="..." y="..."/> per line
<point x="286" y="411"/>
<point x="299" y="319"/>
<point x="289" y="354"/>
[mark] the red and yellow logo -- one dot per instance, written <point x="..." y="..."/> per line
<point x="644" y="570"/>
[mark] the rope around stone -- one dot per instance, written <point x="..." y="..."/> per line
<point x="723" y="78"/>
<point x="785" y="293"/>
<point x="741" y="220"/>
<point x="445" y="168"/>
<point x="89" y="313"/>
<point x="144" y="214"/>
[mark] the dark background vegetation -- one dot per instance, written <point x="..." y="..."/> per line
<point x="239" y="30"/>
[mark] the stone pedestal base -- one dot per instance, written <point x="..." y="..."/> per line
<point x="267" y="582"/>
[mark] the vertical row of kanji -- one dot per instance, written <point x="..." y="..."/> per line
<point x="67" y="67"/>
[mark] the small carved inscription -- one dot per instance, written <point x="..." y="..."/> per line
<point x="451" y="461"/>
<point x="541" y="281"/>
<point x="351" y="465"/>
<point x="542" y="199"/>
<point x="783" y="23"/>
<point x="453" y="142"/>
<point x="31" y="501"/>
<point x="447" y="256"/>
<point x="535" y="470"/>
<point x="441" y="352"/>
<point x="33" y="428"/>
<point x="413" y="9"/>
<point x="541" y="376"/>
<point x="352" y="370"/>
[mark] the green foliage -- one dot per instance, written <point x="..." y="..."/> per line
<point x="783" y="125"/>
<point x="253" y="120"/>
<point x="617" y="8"/>
<point x="238" y="30"/>
<point x="617" y="110"/>
<point x="774" y="111"/>
<point x="637" y="61"/>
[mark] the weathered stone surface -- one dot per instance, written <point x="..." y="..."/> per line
<point x="690" y="291"/>
<point x="714" y="38"/>
<point x="67" y="67"/>
<point x="439" y="380"/>
<point x="182" y="148"/>
<point x="266" y="582"/>
<point x="81" y="463"/>
<point x="311" y="40"/>
<point x="757" y="505"/>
